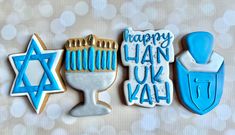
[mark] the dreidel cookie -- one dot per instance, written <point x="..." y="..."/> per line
<point x="200" y="73"/>
<point x="91" y="67"/>
<point x="148" y="54"/>
<point x="37" y="73"/>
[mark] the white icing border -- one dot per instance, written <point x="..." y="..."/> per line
<point x="53" y="70"/>
<point x="190" y="64"/>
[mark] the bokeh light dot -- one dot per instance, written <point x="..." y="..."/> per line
<point x="8" y="32"/>
<point x="125" y="10"/>
<point x="13" y="19"/>
<point x="53" y="111"/>
<point x="109" y="12"/>
<point x="152" y="13"/>
<point x="56" y="26"/>
<point x="220" y="26"/>
<point x="3" y="114"/>
<point x="140" y="21"/>
<point x="230" y="132"/>
<point x="69" y="120"/>
<point x="67" y="18"/>
<point x="208" y="9"/>
<point x="19" y="129"/>
<point x="223" y="112"/>
<point x="31" y="119"/>
<point x="218" y="125"/>
<point x="229" y="17"/>
<point x="18" y="108"/>
<point x="225" y="40"/>
<point x="169" y="115"/>
<point x="173" y="28"/>
<point x="190" y="130"/>
<point x="99" y="4"/>
<point x="45" y="9"/>
<point x="149" y="122"/>
<point x="107" y="130"/>
<point x="81" y="8"/>
<point x="59" y="131"/>
<point x="47" y="123"/>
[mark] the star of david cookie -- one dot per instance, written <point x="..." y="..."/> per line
<point x="37" y="73"/>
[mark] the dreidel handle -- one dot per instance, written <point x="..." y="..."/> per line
<point x="200" y="46"/>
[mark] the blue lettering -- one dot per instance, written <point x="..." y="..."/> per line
<point x="167" y="97"/>
<point x="136" y="57"/>
<point x="146" y="90"/>
<point x="156" y="77"/>
<point x="147" y="52"/>
<point x="137" y="76"/>
<point x="132" y="95"/>
<point x="164" y="55"/>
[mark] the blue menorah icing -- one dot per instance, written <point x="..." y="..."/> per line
<point x="114" y="58"/>
<point x="98" y="57"/>
<point x="90" y="60"/>
<point x="84" y="59"/>
<point x="90" y="54"/>
<point x="79" y="57"/>
<point x="103" y="60"/>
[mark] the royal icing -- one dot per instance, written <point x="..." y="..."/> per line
<point x="200" y="74"/>
<point x="148" y="54"/>
<point x="50" y="82"/>
<point x="91" y="66"/>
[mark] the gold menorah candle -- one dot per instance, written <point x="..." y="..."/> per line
<point x="91" y="54"/>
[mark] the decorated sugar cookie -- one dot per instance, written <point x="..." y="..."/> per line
<point x="91" y="67"/>
<point x="28" y="81"/>
<point x="148" y="54"/>
<point x="200" y="74"/>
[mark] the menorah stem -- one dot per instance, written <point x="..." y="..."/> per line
<point x="90" y="106"/>
<point x="90" y="97"/>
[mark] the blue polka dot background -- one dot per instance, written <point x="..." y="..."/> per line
<point x="56" y="21"/>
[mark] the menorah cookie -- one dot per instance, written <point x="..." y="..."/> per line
<point x="148" y="54"/>
<point x="37" y="73"/>
<point x="91" y="67"/>
<point x="200" y="73"/>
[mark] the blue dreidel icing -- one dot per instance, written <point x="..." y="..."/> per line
<point x="200" y="74"/>
<point x="200" y="46"/>
<point x="90" y="66"/>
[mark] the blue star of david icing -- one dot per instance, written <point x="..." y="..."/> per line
<point x="50" y="81"/>
<point x="200" y="74"/>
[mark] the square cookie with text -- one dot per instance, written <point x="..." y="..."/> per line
<point x="148" y="54"/>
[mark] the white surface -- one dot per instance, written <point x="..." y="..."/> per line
<point x="186" y="15"/>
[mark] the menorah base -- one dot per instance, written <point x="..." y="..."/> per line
<point x="90" y="83"/>
<point x="88" y="110"/>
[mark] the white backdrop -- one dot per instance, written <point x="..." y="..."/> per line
<point x="57" y="20"/>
